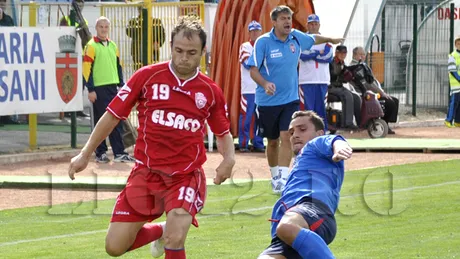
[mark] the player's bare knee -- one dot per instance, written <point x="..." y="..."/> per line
<point x="112" y="249"/>
<point x="289" y="227"/>
<point x="177" y="226"/>
<point x="287" y="232"/>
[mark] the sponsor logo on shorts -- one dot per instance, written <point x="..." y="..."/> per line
<point x="126" y="213"/>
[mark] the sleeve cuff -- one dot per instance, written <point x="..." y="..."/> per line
<point x="114" y="114"/>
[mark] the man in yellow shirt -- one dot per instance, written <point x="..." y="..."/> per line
<point x="102" y="76"/>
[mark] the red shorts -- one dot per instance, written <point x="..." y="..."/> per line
<point x="148" y="194"/>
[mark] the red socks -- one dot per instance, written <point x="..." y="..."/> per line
<point x="174" y="253"/>
<point x="147" y="234"/>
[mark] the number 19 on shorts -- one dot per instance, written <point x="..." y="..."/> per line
<point x="187" y="194"/>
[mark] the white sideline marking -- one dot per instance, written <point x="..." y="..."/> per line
<point x="51" y="237"/>
<point x="220" y="214"/>
<point x="104" y="230"/>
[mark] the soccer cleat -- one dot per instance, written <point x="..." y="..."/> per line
<point x="103" y="159"/>
<point x="277" y="184"/>
<point x="123" y="158"/>
<point x="448" y="124"/>
<point x="283" y="182"/>
<point x="157" y="248"/>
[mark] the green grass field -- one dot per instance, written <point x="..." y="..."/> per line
<point x="419" y="218"/>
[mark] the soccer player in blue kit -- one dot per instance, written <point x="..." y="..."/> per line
<point x="303" y="221"/>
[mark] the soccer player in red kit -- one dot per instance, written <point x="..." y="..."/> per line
<point x="173" y="101"/>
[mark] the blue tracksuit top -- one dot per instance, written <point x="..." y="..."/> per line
<point x="314" y="174"/>
<point x="277" y="62"/>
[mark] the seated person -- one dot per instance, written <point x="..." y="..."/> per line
<point x="351" y="102"/>
<point x="391" y="105"/>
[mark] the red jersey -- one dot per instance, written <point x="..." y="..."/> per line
<point x="172" y="115"/>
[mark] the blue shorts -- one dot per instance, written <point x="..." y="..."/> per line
<point x="273" y="119"/>
<point x="319" y="218"/>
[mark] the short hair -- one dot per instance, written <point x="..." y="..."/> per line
<point x="457" y="39"/>
<point x="102" y="18"/>
<point x="313" y="116"/>
<point x="280" y="9"/>
<point x="190" y="24"/>
<point x="356" y="49"/>
<point x="341" y="48"/>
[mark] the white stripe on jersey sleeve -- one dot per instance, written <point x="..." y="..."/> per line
<point x="451" y="64"/>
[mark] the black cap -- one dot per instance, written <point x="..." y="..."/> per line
<point x="341" y="48"/>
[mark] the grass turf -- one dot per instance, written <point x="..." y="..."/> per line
<point x="417" y="219"/>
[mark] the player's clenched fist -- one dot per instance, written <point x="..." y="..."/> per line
<point x="224" y="171"/>
<point x="342" y="151"/>
<point x="77" y="164"/>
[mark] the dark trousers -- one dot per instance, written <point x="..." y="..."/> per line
<point x="453" y="113"/>
<point x="248" y="118"/>
<point x="351" y="104"/>
<point x="105" y="94"/>
<point x="391" y="109"/>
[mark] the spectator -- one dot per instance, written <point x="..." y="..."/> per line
<point x="103" y="74"/>
<point x="391" y="103"/>
<point x="5" y="19"/>
<point x="248" y="90"/>
<point x="134" y="31"/>
<point x="351" y="102"/>
<point x="314" y="76"/>
<point x="453" y="114"/>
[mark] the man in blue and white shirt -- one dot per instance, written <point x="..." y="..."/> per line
<point x="314" y="76"/>
<point x="274" y="69"/>
<point x="248" y="116"/>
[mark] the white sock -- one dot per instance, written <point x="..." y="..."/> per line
<point x="284" y="172"/>
<point x="275" y="171"/>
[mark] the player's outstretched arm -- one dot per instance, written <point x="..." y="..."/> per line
<point x="103" y="128"/>
<point x="226" y="148"/>
<point x="342" y="151"/>
<point x="323" y="39"/>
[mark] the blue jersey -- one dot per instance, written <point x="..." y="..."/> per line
<point x="314" y="174"/>
<point x="277" y="62"/>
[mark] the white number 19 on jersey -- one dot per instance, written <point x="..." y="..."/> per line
<point x="160" y="92"/>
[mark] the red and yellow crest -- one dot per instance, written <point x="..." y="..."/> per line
<point x="67" y="75"/>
